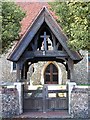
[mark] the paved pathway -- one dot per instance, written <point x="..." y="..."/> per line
<point x="53" y="114"/>
<point x="57" y="115"/>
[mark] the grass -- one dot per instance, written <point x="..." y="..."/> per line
<point x="84" y="85"/>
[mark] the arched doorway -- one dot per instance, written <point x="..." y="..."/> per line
<point x="51" y="74"/>
<point x="42" y="80"/>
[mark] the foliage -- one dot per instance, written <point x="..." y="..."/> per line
<point x="11" y="17"/>
<point x="74" y="17"/>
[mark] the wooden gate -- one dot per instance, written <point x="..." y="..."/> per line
<point x="45" y="99"/>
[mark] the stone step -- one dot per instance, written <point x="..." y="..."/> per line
<point x="51" y="115"/>
<point x="46" y="119"/>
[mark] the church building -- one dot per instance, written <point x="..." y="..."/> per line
<point x="45" y="38"/>
<point x="42" y="60"/>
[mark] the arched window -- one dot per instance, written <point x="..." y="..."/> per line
<point x="51" y="74"/>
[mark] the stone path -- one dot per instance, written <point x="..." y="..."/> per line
<point x="53" y="114"/>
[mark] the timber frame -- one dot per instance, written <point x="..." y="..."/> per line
<point x="29" y="48"/>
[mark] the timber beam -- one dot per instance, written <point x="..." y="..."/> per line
<point x="30" y="54"/>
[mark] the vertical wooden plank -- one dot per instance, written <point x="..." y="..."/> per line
<point x="44" y="102"/>
<point x="68" y="74"/>
<point x="57" y="45"/>
<point x="18" y="72"/>
<point x="22" y="74"/>
<point x="54" y="42"/>
<point x="45" y="94"/>
<point x="36" y="42"/>
<point x="71" y="68"/>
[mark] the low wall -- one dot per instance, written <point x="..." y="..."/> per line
<point x="9" y="102"/>
<point x="80" y="103"/>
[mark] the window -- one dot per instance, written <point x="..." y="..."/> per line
<point x="13" y="66"/>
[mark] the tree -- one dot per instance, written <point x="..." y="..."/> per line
<point x="11" y="17"/>
<point x="74" y="17"/>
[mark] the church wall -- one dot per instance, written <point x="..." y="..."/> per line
<point x="6" y="73"/>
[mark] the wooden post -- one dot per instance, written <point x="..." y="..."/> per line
<point x="71" y="69"/>
<point x="24" y="72"/>
<point x="54" y="42"/>
<point x="22" y="75"/>
<point x="18" y="72"/>
<point x="68" y="73"/>
<point x="72" y="74"/>
<point x="25" y="77"/>
<point x="45" y="94"/>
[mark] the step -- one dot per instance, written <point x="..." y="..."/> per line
<point x="45" y="119"/>
<point x="51" y="115"/>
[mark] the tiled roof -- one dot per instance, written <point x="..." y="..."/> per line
<point x="32" y="9"/>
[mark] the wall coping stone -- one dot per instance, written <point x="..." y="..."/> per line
<point x="80" y="90"/>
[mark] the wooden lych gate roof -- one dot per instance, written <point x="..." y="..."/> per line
<point x="44" y="16"/>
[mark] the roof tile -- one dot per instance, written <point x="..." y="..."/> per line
<point x="32" y="9"/>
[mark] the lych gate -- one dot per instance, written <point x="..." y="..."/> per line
<point x="44" y="41"/>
